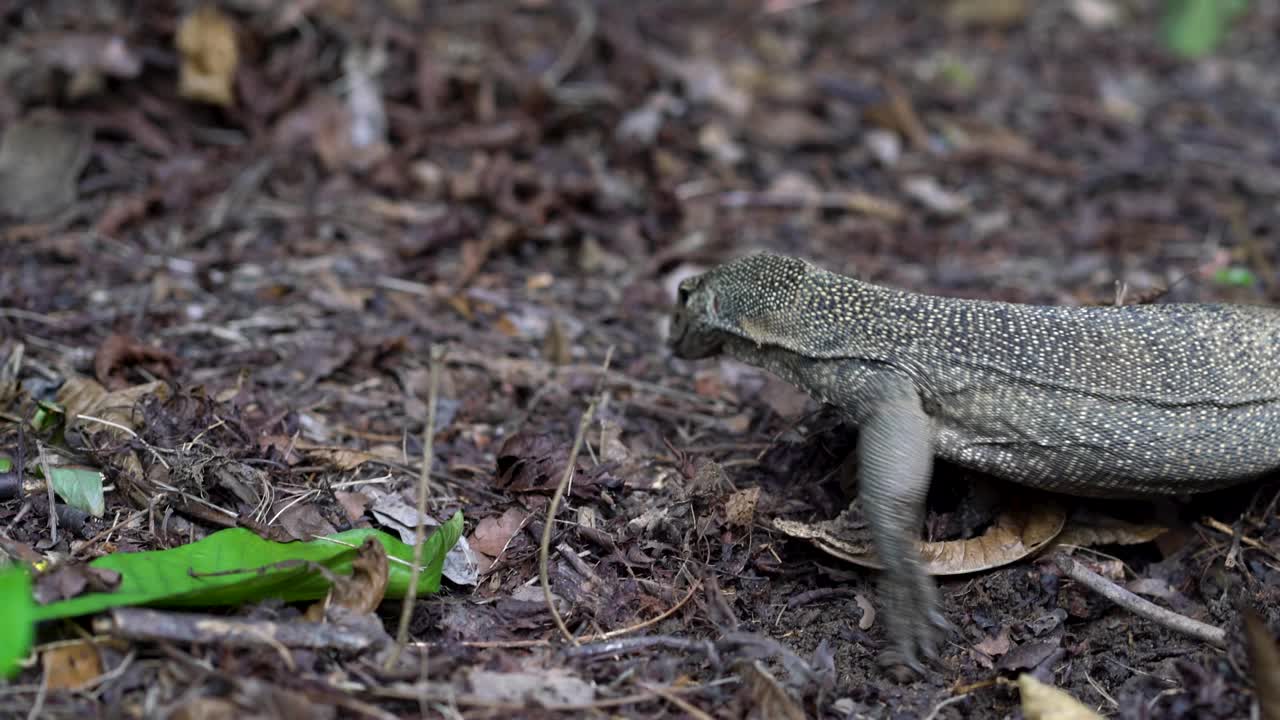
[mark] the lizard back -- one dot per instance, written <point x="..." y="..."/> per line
<point x="1135" y="399"/>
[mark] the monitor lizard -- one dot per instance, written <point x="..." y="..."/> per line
<point x="1105" y="401"/>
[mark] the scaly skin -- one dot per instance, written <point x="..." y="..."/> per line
<point x="1126" y="401"/>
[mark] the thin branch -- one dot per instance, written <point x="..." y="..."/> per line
<point x="1178" y="623"/>
<point x="582" y="33"/>
<point x="424" y="484"/>
<point x="48" y="479"/>
<point x="545" y="549"/>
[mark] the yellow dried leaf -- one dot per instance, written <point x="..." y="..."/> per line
<point x="1046" y="702"/>
<point x="207" y="42"/>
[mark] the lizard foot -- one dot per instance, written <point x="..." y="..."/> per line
<point x="915" y="621"/>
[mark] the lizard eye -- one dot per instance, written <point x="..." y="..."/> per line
<point x="682" y="295"/>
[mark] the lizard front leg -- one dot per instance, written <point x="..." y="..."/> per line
<point x="895" y="459"/>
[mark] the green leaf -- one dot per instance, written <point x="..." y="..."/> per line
<point x="48" y="415"/>
<point x="6" y="464"/>
<point x="17" y="622"/>
<point x="1235" y="277"/>
<point x="1193" y="28"/>
<point x="79" y="487"/>
<point x="165" y="577"/>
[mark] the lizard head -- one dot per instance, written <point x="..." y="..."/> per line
<point x="754" y="298"/>
<point x="692" y="334"/>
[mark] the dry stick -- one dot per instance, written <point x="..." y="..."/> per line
<point x="545" y="549"/>
<point x="424" y="482"/>
<point x="48" y="479"/>
<point x="1178" y="623"/>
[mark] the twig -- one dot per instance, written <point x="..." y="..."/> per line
<point x="424" y="483"/>
<point x="48" y="480"/>
<point x="128" y="431"/>
<point x="1178" y="623"/>
<point x="544" y="549"/>
<point x="582" y="32"/>
<point x="693" y="587"/>
<point x="689" y="708"/>
<point x="844" y="200"/>
<point x="949" y="701"/>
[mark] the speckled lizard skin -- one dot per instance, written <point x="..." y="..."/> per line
<point x="1096" y="401"/>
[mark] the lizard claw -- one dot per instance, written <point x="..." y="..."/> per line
<point x="915" y="623"/>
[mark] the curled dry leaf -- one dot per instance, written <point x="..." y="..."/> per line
<point x="1045" y="702"/>
<point x="361" y="591"/>
<point x="207" y="42"/>
<point x="868" y="618"/>
<point x="1087" y="529"/>
<point x="119" y="352"/>
<point x="740" y="510"/>
<point x="1264" y="663"/>
<point x="766" y="696"/>
<point x="1014" y="535"/>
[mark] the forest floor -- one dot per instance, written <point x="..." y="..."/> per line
<point x="282" y="240"/>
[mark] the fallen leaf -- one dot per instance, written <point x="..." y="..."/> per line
<point x="929" y="193"/>
<point x="1014" y="535"/>
<point x="1088" y="529"/>
<point x="990" y="13"/>
<point x="391" y="510"/>
<point x="77" y="52"/>
<point x="546" y="687"/>
<point x="40" y="163"/>
<point x="1264" y="663"/>
<point x="493" y="534"/>
<point x="118" y="353"/>
<point x="994" y="645"/>
<point x="362" y="591"/>
<point x="206" y="41"/>
<point x="868" y="618"/>
<point x="740" y="509"/>
<point x="71" y="666"/>
<point x="767" y="697"/>
<point x="353" y="504"/>
<point x="68" y="581"/>
<point x="1096" y="14"/>
<point x="1045" y="702"/>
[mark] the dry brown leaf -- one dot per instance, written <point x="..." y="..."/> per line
<point x="361" y="591"/>
<point x="868" y="611"/>
<point x="353" y="504"/>
<point x="1045" y="702"/>
<point x="995" y="645"/>
<point x="1015" y="535"/>
<point x="1087" y="529"/>
<point x="493" y="534"/>
<point x="1264" y="663"/>
<point x="71" y="665"/>
<point x="118" y="353"/>
<point x="740" y="509"/>
<point x="766" y="697"/>
<point x="990" y="13"/>
<point x="207" y="42"/>
<point x="341" y="458"/>
<point x="113" y="414"/>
